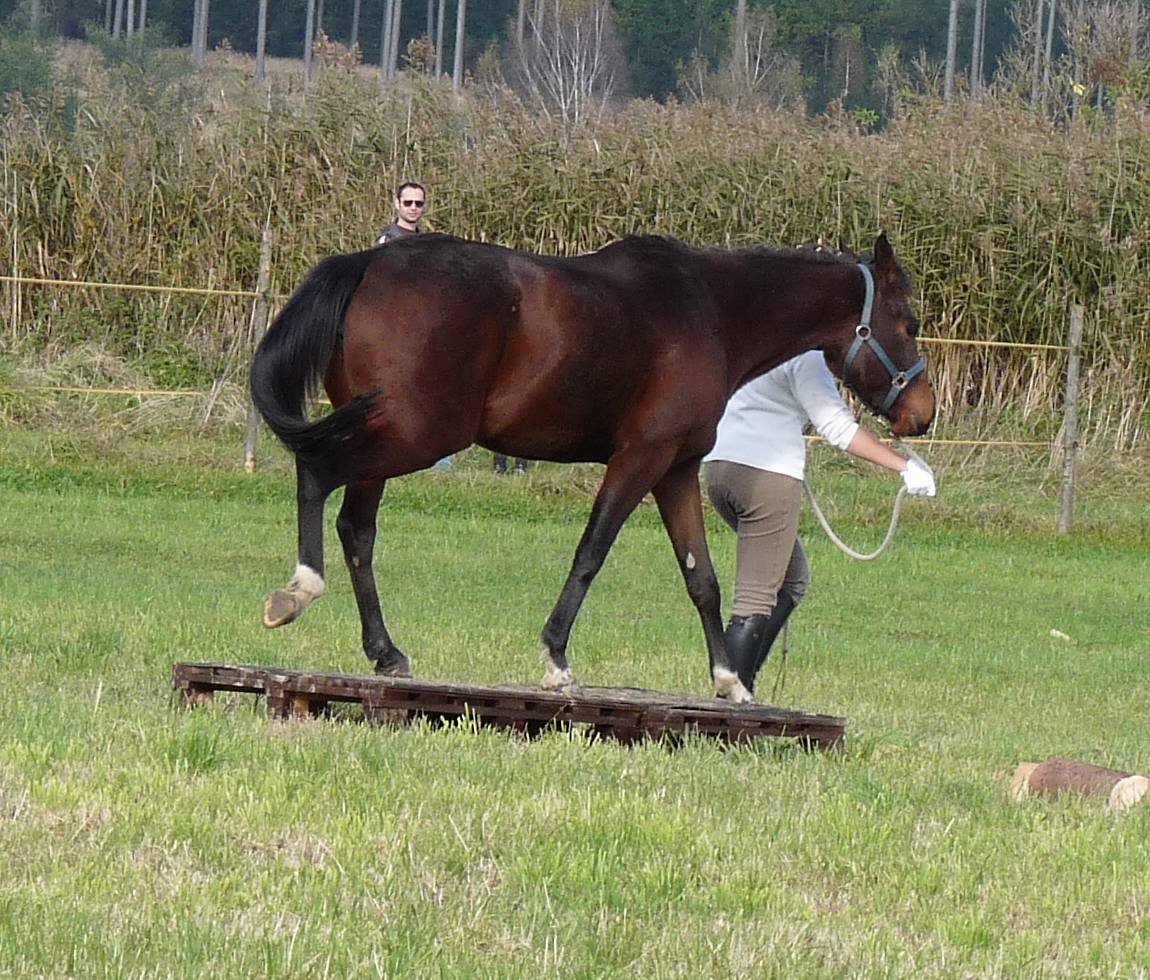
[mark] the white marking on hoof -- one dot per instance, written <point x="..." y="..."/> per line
<point x="307" y="584"/>
<point x="559" y="680"/>
<point x="556" y="679"/>
<point x="729" y="687"/>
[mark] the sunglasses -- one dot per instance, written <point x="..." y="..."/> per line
<point x="413" y="204"/>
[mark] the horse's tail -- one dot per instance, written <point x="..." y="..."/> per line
<point x="290" y="362"/>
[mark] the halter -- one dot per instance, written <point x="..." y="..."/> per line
<point x="864" y="336"/>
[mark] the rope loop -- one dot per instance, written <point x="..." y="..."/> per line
<point x="840" y="544"/>
<point x="886" y="541"/>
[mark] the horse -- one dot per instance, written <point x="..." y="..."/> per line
<point x="624" y="356"/>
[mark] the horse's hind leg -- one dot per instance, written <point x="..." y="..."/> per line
<point x="627" y="480"/>
<point x="681" y="507"/>
<point x="285" y="605"/>
<point x="356" y="526"/>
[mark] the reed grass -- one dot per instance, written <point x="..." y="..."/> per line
<point x="1003" y="220"/>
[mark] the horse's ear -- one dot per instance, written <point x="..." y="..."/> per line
<point x="884" y="260"/>
<point x="845" y="249"/>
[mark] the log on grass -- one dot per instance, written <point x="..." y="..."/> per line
<point x="1057" y="776"/>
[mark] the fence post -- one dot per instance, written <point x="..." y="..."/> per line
<point x="16" y="311"/>
<point x="1070" y="424"/>
<point x="259" y="325"/>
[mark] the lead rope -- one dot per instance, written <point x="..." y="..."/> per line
<point x="843" y="546"/>
<point x="780" y="676"/>
<point x="886" y="541"/>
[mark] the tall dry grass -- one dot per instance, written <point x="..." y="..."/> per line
<point x="1003" y="220"/>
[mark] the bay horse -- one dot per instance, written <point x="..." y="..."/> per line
<point x="624" y="356"/>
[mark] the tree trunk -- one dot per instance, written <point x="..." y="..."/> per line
<point x="1075" y="99"/>
<point x="385" y="41"/>
<point x="261" y="41"/>
<point x="520" y="21"/>
<point x="197" y="20"/>
<point x="976" y="50"/>
<point x="318" y="21"/>
<point x="205" y="14"/>
<point x="430" y="19"/>
<point x="143" y="16"/>
<point x="393" y="55"/>
<point x="739" y="41"/>
<point x="118" y="19"/>
<point x="982" y="46"/>
<point x="1049" y="55"/>
<point x="1036" y="67"/>
<point x="460" y="32"/>
<point x="107" y="16"/>
<point x="130" y="21"/>
<point x="308" y="36"/>
<point x="34" y="17"/>
<point x="439" y="38"/>
<point x="354" y="39"/>
<point x="951" y="51"/>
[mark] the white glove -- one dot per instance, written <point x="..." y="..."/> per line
<point x="919" y="479"/>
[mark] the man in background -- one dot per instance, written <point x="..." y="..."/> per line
<point x="410" y="205"/>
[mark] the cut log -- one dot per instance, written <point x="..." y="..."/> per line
<point x="1057" y="776"/>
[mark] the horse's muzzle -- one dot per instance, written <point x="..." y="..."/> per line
<point x="914" y="411"/>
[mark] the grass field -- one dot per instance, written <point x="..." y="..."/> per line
<point x="136" y="840"/>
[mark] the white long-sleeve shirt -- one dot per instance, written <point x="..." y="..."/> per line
<point x="762" y="425"/>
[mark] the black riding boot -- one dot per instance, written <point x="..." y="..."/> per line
<point x="749" y="638"/>
<point x="744" y="635"/>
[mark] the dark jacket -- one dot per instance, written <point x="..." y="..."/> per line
<point x="393" y="231"/>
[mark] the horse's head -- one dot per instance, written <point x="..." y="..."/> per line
<point x="879" y="360"/>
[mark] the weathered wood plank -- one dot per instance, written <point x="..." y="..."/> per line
<point x="626" y="714"/>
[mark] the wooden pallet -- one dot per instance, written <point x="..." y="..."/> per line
<point x="625" y="714"/>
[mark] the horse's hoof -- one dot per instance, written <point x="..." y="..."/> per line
<point x="394" y="664"/>
<point x="730" y="688"/>
<point x="281" y="608"/>
<point x="561" y="681"/>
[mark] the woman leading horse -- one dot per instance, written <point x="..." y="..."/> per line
<point x="625" y="356"/>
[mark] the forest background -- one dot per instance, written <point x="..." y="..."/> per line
<point x="815" y="51"/>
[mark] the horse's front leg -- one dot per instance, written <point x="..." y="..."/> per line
<point x="356" y="526"/>
<point x="681" y="507"/>
<point x="628" y="478"/>
<point x="285" y="605"/>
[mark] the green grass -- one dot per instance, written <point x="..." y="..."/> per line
<point x="138" y="840"/>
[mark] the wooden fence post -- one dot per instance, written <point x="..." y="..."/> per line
<point x="259" y="325"/>
<point x="1070" y="424"/>
<point x="16" y="310"/>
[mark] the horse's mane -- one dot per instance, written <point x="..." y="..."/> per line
<point x="801" y="253"/>
<point x="662" y="244"/>
<point x="665" y="247"/>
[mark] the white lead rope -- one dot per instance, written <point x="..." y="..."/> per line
<point x="838" y="542"/>
<point x="781" y="675"/>
<point x="843" y="546"/>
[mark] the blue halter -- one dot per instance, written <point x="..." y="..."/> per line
<point x="864" y="337"/>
